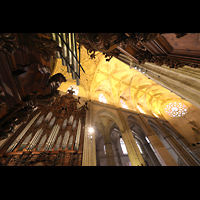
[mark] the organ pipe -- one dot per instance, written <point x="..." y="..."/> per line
<point x="69" y="53"/>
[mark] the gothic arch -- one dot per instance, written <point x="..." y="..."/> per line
<point x="110" y="126"/>
<point x="134" y="125"/>
<point x="137" y="131"/>
<point x="158" y="132"/>
<point x="115" y="135"/>
<point x="120" y="153"/>
<point x="168" y="128"/>
<point x="139" y="135"/>
<point x="110" y="116"/>
<point x="100" y="144"/>
<point x="152" y="124"/>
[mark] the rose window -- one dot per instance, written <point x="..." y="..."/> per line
<point x="176" y="109"/>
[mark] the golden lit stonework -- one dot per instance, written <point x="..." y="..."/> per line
<point x="175" y="109"/>
<point x="115" y="83"/>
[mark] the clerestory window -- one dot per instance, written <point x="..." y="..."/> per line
<point x="102" y="98"/>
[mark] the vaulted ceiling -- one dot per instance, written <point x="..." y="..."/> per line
<point x="116" y="81"/>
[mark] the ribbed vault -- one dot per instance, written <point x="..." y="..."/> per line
<point x="116" y="81"/>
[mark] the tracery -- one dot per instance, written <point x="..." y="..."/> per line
<point x="175" y="109"/>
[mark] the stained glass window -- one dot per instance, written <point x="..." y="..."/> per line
<point x="104" y="148"/>
<point x="139" y="147"/>
<point x="123" y="104"/>
<point x="102" y="98"/>
<point x="175" y="109"/>
<point x="123" y="146"/>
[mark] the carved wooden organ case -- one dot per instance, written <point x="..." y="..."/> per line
<point x="52" y="136"/>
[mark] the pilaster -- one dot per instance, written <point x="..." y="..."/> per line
<point x="179" y="81"/>
<point x="89" y="148"/>
<point x="134" y="154"/>
<point x="109" y="154"/>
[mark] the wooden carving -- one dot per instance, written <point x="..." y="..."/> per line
<point x="107" y="42"/>
<point x="54" y="137"/>
<point x="25" y="71"/>
<point x="138" y="46"/>
<point x="136" y="38"/>
<point x="8" y="43"/>
<point x="41" y="44"/>
<point x="157" y="49"/>
<point x="103" y="42"/>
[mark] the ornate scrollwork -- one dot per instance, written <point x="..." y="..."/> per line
<point x="103" y="42"/>
<point x="136" y="38"/>
<point x="107" y="43"/>
<point x="7" y="43"/>
<point x="46" y="47"/>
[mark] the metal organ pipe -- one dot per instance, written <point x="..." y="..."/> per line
<point x="78" y="133"/>
<point x="75" y="52"/>
<point x="68" y="67"/>
<point x="42" y="141"/>
<point x="65" y="140"/>
<point x="64" y="49"/>
<point x="57" y="143"/>
<point x="70" y="46"/>
<point x="19" y="137"/>
<point x="52" y="137"/>
<point x="35" y="139"/>
<point x="25" y="142"/>
<point x="69" y="53"/>
<point x="76" y="69"/>
<point x="48" y="117"/>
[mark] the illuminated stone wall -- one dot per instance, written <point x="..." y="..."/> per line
<point x="118" y="83"/>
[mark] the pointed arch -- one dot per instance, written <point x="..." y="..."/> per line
<point x="110" y="115"/>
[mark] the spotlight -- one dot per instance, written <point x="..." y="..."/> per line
<point x="90" y="129"/>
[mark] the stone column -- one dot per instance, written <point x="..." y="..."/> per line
<point x="152" y="156"/>
<point x="177" y="147"/>
<point x="97" y="153"/>
<point x="116" y="144"/>
<point x="109" y="154"/>
<point x="134" y="154"/>
<point x="183" y="82"/>
<point x="89" y="147"/>
<point x="163" y="155"/>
